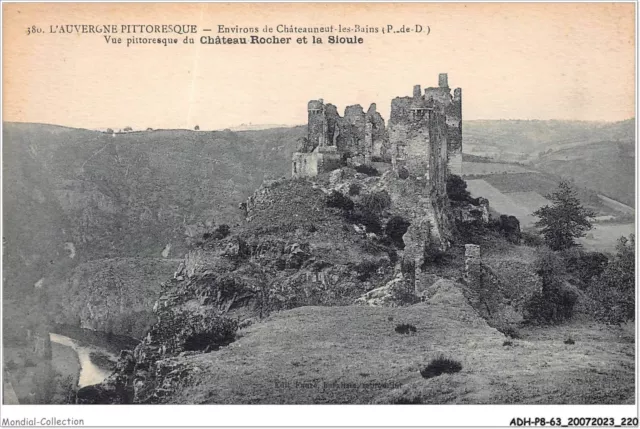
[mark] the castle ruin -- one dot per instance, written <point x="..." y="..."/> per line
<point x="423" y="138"/>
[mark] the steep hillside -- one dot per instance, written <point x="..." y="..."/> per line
<point x="73" y="195"/>
<point x="352" y="354"/>
<point x="607" y="167"/>
<point x="597" y="156"/>
<point x="109" y="295"/>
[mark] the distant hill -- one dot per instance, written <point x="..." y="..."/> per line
<point x="607" y="167"/>
<point x="255" y="127"/>
<point x="529" y="137"/>
<point x="110" y="295"/>
<point x="596" y="155"/>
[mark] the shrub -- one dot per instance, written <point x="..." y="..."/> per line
<point x="365" y="270"/>
<point x="396" y="227"/>
<point x="354" y="189"/>
<point x="219" y="233"/>
<point x="614" y="289"/>
<point x="372" y="247"/>
<point x="509" y="331"/>
<point x="128" y="129"/>
<point x="11" y="365"/>
<point x="406" y="328"/>
<point x="551" y="306"/>
<point x="585" y="265"/>
<point x="109" y="130"/>
<point x="393" y="255"/>
<point x="532" y="238"/>
<point x="403" y="173"/>
<point x="211" y="333"/>
<point x="556" y="301"/>
<point x="366" y="218"/>
<point x="390" y="318"/>
<point x="367" y="169"/>
<point x="339" y="201"/>
<point x="403" y="293"/>
<point x="569" y="341"/>
<point x="376" y="201"/>
<point x="510" y="228"/>
<point x="457" y="188"/>
<point x="439" y="366"/>
<point x="507" y="343"/>
<point x="433" y="255"/>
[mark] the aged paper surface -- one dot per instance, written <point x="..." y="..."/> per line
<point x="319" y="203"/>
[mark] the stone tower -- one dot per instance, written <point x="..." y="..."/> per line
<point x="317" y="123"/>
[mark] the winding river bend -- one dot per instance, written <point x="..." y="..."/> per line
<point x="89" y="372"/>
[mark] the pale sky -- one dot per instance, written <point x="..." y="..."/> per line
<point x="512" y="61"/>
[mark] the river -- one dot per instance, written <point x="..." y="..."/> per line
<point x="90" y="373"/>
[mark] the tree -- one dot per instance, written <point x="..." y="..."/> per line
<point x="565" y="220"/>
<point x="457" y="188"/>
<point x="197" y="128"/>
<point x="614" y="289"/>
<point x="555" y="302"/>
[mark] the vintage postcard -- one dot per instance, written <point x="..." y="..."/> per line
<point x="216" y="211"/>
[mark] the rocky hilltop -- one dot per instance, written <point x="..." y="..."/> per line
<point x="342" y="238"/>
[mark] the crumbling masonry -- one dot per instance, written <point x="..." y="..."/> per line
<point x="424" y="137"/>
<point x="423" y="144"/>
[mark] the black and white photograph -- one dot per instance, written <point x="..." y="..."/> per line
<point x="319" y="204"/>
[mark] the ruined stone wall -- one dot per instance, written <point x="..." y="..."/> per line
<point x="355" y="120"/>
<point x="438" y="160"/>
<point x="441" y="96"/>
<point x="427" y="210"/>
<point x="353" y="139"/>
<point x="42" y="344"/>
<point x="399" y="127"/>
<point x="334" y="132"/>
<point x="454" y="130"/>
<point x="316" y="123"/>
<point x="419" y="130"/>
<point x="304" y="164"/>
<point x="311" y="164"/>
<point x="414" y="140"/>
<point x="378" y="131"/>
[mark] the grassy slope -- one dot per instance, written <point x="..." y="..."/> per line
<point x="606" y="167"/>
<point x="533" y="136"/>
<point x="599" y="156"/>
<point x="544" y="184"/>
<point x="352" y="355"/>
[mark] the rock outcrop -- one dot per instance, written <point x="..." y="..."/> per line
<point x="299" y="247"/>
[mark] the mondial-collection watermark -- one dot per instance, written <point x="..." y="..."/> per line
<point x="43" y="421"/>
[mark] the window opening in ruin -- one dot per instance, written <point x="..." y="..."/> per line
<point x="295" y="167"/>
